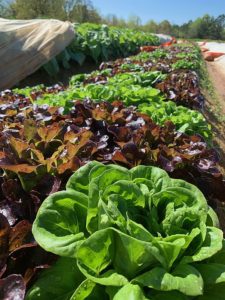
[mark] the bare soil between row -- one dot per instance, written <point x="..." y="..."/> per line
<point x="215" y="110"/>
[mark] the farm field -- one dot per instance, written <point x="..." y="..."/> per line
<point x="110" y="185"/>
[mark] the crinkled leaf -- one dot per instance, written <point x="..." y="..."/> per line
<point x="181" y="279"/>
<point x="60" y="222"/>
<point x="127" y="255"/>
<point x="19" y="234"/>
<point x="213" y="243"/>
<point x="79" y="181"/>
<point x="4" y="239"/>
<point x="12" y="288"/>
<point x="130" y="291"/>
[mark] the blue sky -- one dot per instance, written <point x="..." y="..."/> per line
<point x="176" y="11"/>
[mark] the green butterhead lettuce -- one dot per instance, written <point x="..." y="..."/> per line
<point x="132" y="232"/>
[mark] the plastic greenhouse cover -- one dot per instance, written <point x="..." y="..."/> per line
<point x="163" y="37"/>
<point x="26" y="45"/>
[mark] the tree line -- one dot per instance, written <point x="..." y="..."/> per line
<point x="72" y="10"/>
<point x="206" y="27"/>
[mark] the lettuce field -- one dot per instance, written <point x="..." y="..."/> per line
<point x="110" y="186"/>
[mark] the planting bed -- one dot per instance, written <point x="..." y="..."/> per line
<point x="117" y="174"/>
<point x="98" y="43"/>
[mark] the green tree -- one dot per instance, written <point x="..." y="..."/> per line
<point x="151" y="26"/>
<point x="82" y="11"/>
<point x="207" y="27"/>
<point x="73" y="10"/>
<point x="31" y="9"/>
<point x="134" y="22"/>
<point x="4" y="9"/>
<point x="165" y="27"/>
<point x="220" y="27"/>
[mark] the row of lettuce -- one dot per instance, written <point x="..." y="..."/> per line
<point x="98" y="43"/>
<point x="117" y="225"/>
<point x="137" y="81"/>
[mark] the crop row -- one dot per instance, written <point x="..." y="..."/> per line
<point x="99" y="43"/>
<point x="140" y="86"/>
<point x="128" y="231"/>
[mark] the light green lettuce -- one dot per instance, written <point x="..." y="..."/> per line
<point x="129" y="233"/>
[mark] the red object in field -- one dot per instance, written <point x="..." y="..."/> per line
<point x="149" y="48"/>
<point x="169" y="43"/>
<point x="152" y="48"/>
<point x="210" y="56"/>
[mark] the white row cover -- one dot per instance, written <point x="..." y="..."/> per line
<point x="163" y="37"/>
<point x="27" y="45"/>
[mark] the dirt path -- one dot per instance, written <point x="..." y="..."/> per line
<point x="215" y="112"/>
<point x="215" y="108"/>
<point x="218" y="79"/>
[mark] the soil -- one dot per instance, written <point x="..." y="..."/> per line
<point x="218" y="79"/>
<point x="215" y="110"/>
<point x="215" y="114"/>
<point x="215" y="104"/>
<point x="42" y="77"/>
